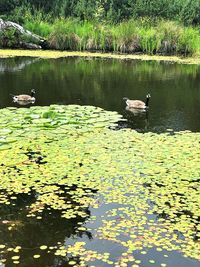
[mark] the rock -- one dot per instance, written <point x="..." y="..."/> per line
<point x="19" y="36"/>
<point x="30" y="46"/>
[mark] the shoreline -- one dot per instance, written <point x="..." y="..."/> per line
<point x="51" y="54"/>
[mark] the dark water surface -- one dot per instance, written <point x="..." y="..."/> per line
<point x="175" y="102"/>
<point x="175" y="88"/>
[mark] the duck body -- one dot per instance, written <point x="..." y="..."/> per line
<point x="24" y="98"/>
<point x="137" y="104"/>
<point x="27" y="98"/>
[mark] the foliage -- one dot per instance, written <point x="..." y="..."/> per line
<point x="121" y="26"/>
<point x="166" y="37"/>
<point x="63" y="35"/>
<point x="40" y="28"/>
<point x="150" y="40"/>
<point x="170" y="32"/>
<point x="185" y="11"/>
<point x="125" y="37"/>
<point x="144" y="186"/>
<point x="6" y="6"/>
<point x="189" y="41"/>
<point x="55" y="116"/>
<point x="10" y="38"/>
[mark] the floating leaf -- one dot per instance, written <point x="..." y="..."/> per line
<point x="43" y="247"/>
<point x="144" y="187"/>
<point x="15" y="257"/>
<point x="36" y="256"/>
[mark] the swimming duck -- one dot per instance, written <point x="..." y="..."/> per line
<point x="137" y="104"/>
<point x="25" y="98"/>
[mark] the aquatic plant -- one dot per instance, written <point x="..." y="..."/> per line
<point x="72" y="162"/>
<point x="166" y="37"/>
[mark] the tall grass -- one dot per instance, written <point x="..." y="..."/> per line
<point x="63" y="35"/>
<point x="125" y="37"/>
<point x="163" y="37"/>
<point x="83" y="31"/>
<point x="189" y="41"/>
<point x="170" y="32"/>
<point x="41" y="28"/>
<point x="150" y="40"/>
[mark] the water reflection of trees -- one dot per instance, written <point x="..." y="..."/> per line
<point x="30" y="233"/>
<point x="102" y="82"/>
<point x="100" y="79"/>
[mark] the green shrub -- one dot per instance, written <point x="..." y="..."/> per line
<point x="63" y="35"/>
<point x="125" y="37"/>
<point x="189" y="41"/>
<point x="9" y="38"/>
<point x="150" y="40"/>
<point x="169" y="32"/>
<point x="40" y="28"/>
<point x="166" y="37"/>
<point x="115" y="11"/>
<point x="84" y="31"/>
<point x="142" y="35"/>
<point x="104" y="37"/>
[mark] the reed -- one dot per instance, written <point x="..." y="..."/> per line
<point x="41" y="28"/>
<point x="125" y="37"/>
<point x="189" y="41"/>
<point x="150" y="40"/>
<point x="161" y="36"/>
<point x="63" y="36"/>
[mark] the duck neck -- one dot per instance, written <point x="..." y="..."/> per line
<point x="32" y="94"/>
<point x="147" y="102"/>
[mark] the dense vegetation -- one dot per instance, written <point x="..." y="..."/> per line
<point x="187" y="11"/>
<point x="165" y="27"/>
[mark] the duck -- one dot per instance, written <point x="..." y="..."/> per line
<point x="137" y="104"/>
<point x="25" y="98"/>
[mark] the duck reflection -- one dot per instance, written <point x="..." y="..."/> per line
<point x="24" y="103"/>
<point x="136" y="111"/>
<point x="137" y="116"/>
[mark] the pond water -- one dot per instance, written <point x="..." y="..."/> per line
<point x="174" y="88"/>
<point x="29" y="239"/>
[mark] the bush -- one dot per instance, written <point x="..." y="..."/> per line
<point x="150" y="40"/>
<point x="86" y="33"/>
<point x="63" y="35"/>
<point x="9" y="38"/>
<point x="126" y="37"/>
<point x="142" y="35"/>
<point x="186" y="11"/>
<point x="7" y="6"/>
<point x="166" y="37"/>
<point x="41" y="28"/>
<point x="189" y="41"/>
<point x="169" y="32"/>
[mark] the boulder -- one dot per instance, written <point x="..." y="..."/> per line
<point x="21" y="37"/>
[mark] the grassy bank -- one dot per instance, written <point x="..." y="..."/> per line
<point x="145" y="36"/>
<point x="132" y="36"/>
<point x="58" y="54"/>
